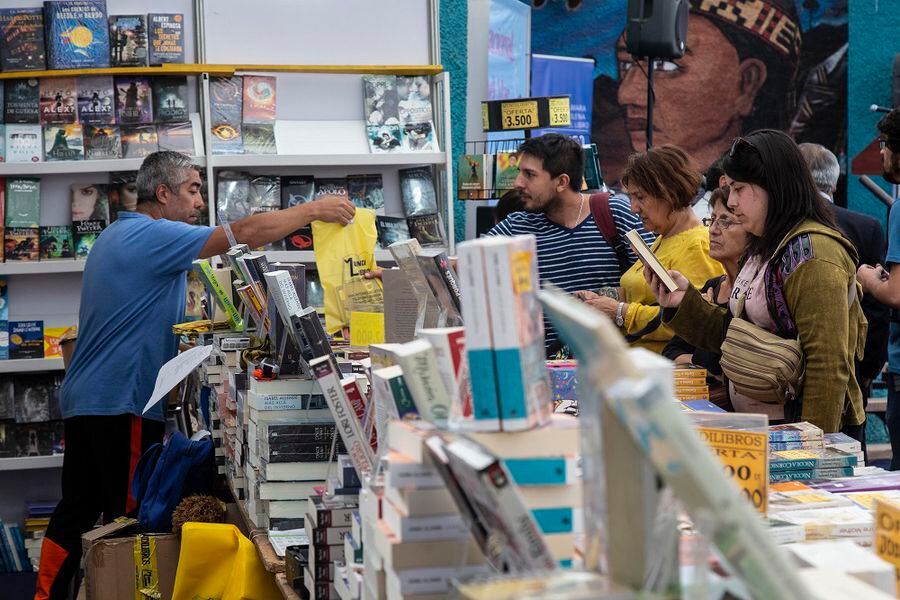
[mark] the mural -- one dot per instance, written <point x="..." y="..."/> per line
<point x="749" y="64"/>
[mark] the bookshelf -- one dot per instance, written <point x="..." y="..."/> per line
<point x="247" y="161"/>
<point x="29" y="365"/>
<point x="46" y="267"/>
<point x="68" y="167"/>
<point x="24" y="463"/>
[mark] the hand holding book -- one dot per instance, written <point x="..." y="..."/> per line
<point x="666" y="298"/>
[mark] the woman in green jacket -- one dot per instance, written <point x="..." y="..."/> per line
<point x="797" y="280"/>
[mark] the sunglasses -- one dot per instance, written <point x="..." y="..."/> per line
<point x="738" y="142"/>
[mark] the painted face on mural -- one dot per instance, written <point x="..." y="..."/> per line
<point x="701" y="98"/>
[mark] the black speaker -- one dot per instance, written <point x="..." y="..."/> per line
<point x="657" y="28"/>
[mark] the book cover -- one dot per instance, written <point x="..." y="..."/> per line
<point x="301" y="239"/>
<point x="22" y="39"/>
<point x="297" y="189"/>
<point x="128" y="40"/>
<point x="56" y="242"/>
<point x="219" y="294"/>
<point x="26" y="340"/>
<point x="139" y="141"/>
<point x="795" y="460"/>
<point x="416" y="115"/>
<point x="331" y="186"/>
<point x="390" y="230"/>
<point x="134" y="100"/>
<point x="77" y="34"/>
<point x="166" y="38"/>
<point x="442" y="281"/>
<point x="258" y="139"/>
<point x="450" y="354"/>
<point x="23" y="202"/>
<point x="122" y="192"/>
<point x="381" y="101"/>
<point x="96" y="100"/>
<point x="21" y="243"/>
<point x="177" y="137"/>
<point x="792" y="432"/>
<point x="170" y="99"/>
<point x="418" y="137"/>
<point x="102" y="142"/>
<point x="85" y="234"/>
<point x="22" y="102"/>
<point x="90" y="202"/>
<point x="505" y="172"/>
<point x="366" y="191"/>
<point x="265" y="193"/>
<point x="426" y="229"/>
<point x="421" y="375"/>
<point x="233" y="195"/>
<point x="63" y="142"/>
<point x="470" y="181"/>
<point x="52" y="337"/>
<point x="417" y="191"/>
<point x="226" y="95"/>
<point x="384" y="138"/>
<point x="23" y="143"/>
<point x="259" y="99"/>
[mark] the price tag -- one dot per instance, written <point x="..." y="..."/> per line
<point x="366" y="328"/>
<point x="744" y="455"/>
<point x="485" y="119"/>
<point x="887" y="535"/>
<point x="520" y="263"/>
<point x="519" y="115"/>
<point x="560" y="114"/>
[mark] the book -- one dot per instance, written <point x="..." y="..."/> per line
<point x="426" y="229"/>
<point x="803" y="460"/>
<point x="170" y="99"/>
<point x="258" y="139"/>
<point x="128" y="40"/>
<point x="417" y="191"/>
<point x="139" y="141"/>
<point x="429" y="528"/>
<point x="77" y="34"/>
<point x="7" y="401"/>
<point x="52" y="337"/>
<point x="102" y="142"/>
<point x="331" y="186"/>
<point x="302" y="239"/>
<point x="56" y="242"/>
<point x="226" y="95"/>
<point x="96" y="100"/>
<point x="442" y="281"/>
<point x="417" y="137"/>
<point x="645" y="254"/>
<point x="176" y="137"/>
<point x="219" y="294"/>
<point x="450" y="354"/>
<point x="422" y="378"/>
<point x="21" y="102"/>
<point x="233" y="196"/>
<point x="165" y="38"/>
<point x="416" y="114"/>
<point x="122" y="191"/>
<point x="506" y="170"/>
<point x="791" y="432"/>
<point x="390" y="230"/>
<point x="293" y="471"/>
<point x="58" y="98"/>
<point x="366" y="191"/>
<point x="381" y="100"/>
<point x="63" y="142"/>
<point x="325" y="512"/>
<point x="22" y="39"/>
<point x="2" y="135"/>
<point x="384" y="138"/>
<point x="23" y="202"/>
<point x="471" y="182"/>
<point x="26" y="340"/>
<point x="21" y="243"/>
<point x="297" y="189"/>
<point x="259" y="99"/>
<point x="85" y="234"/>
<point x="23" y="143"/>
<point x="89" y="202"/>
<point x="134" y="100"/>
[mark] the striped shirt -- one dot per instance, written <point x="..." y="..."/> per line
<point x="575" y="259"/>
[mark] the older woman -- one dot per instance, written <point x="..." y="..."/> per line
<point x="661" y="183"/>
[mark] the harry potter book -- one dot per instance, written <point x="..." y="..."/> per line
<point x="170" y="99"/>
<point x="139" y="141"/>
<point x="23" y="202"/>
<point x="85" y="234"/>
<point x="128" y="40"/>
<point x="102" y="142"/>
<point x="134" y="100"/>
<point x="63" y="142"/>
<point x="96" y="100"/>
<point x="21" y="243"/>
<point x="22" y="39"/>
<point x="56" y="243"/>
<point x="23" y="143"/>
<point x="58" y="100"/>
<point x="22" y="102"/>
<point x="225" y="105"/>
<point x="166" y="38"/>
<point x="259" y="99"/>
<point x="77" y="34"/>
<point x="177" y="137"/>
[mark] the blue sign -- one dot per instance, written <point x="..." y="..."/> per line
<point x="565" y="76"/>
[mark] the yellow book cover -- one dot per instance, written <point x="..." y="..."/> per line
<point x="52" y="337"/>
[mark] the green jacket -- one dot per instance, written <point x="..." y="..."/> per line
<point x="816" y="265"/>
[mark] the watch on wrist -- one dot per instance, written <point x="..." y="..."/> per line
<point x="620" y="315"/>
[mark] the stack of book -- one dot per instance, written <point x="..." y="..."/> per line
<point x="845" y="443"/>
<point x="796" y="436"/>
<point x="37" y="518"/>
<point x="799" y="465"/>
<point x="13" y="555"/>
<point x="690" y="384"/>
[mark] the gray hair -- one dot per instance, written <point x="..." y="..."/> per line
<point x="162" y="168"/>
<point x="823" y="165"/>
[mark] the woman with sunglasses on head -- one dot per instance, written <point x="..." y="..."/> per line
<point x="727" y="244"/>
<point x="797" y="281"/>
<point x="662" y="183"/>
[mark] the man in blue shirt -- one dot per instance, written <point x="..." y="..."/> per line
<point x="133" y="292"/>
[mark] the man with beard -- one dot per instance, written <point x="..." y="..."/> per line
<point x="884" y="284"/>
<point x="572" y="253"/>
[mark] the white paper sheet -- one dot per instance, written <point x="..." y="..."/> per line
<point x="174" y="371"/>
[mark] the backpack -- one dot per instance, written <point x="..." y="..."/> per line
<point x="607" y="226"/>
<point x="166" y="474"/>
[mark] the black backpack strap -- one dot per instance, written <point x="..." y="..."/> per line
<point x="607" y="225"/>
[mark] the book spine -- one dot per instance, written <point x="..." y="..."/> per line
<point x="542" y="471"/>
<point x="451" y="281"/>
<point x="420" y="373"/>
<point x="810" y="474"/>
<point x="812" y="463"/>
<point x="327" y="373"/>
<point x="483" y="414"/>
<point x="449" y="351"/>
<point x="285" y="401"/>
<point x="358" y="402"/>
<point x="329" y="536"/>
<point x="337" y="517"/>
<point x="558" y="520"/>
<point x="402" y="398"/>
<point x="346" y="474"/>
<point x="222" y="299"/>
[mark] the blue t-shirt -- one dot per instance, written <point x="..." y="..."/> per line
<point x="893" y="257"/>
<point x="132" y="294"/>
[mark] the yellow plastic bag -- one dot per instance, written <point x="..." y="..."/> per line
<point x="218" y="563"/>
<point x="343" y="254"/>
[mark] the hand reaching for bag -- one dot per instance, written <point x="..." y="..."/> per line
<point x="666" y="298"/>
<point x="332" y="209"/>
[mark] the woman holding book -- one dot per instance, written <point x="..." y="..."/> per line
<point x="662" y="184"/>
<point x="797" y="282"/>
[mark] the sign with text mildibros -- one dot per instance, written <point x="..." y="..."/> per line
<point x="744" y="455"/>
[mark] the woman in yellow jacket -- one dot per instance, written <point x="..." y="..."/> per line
<point x="662" y="184"/>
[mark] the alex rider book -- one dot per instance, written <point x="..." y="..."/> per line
<point x="139" y="141"/>
<point x="166" y="37"/>
<point x="22" y="39"/>
<point x="128" y="40"/>
<point x="134" y="104"/>
<point x="102" y="142"/>
<point x="63" y="142"/>
<point x="86" y="233"/>
<point x="58" y="100"/>
<point x="96" y="100"/>
<point x="56" y="242"/>
<point x="170" y="99"/>
<point x="22" y="99"/>
<point x="77" y="34"/>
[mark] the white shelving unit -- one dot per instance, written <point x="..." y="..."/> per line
<point x="27" y="267"/>
<point x="67" y="167"/>
<point x="26" y="365"/>
<point x="308" y="256"/>
<point x="247" y="161"/>
<point x="24" y="463"/>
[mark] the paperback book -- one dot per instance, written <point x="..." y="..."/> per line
<point x="381" y="100"/>
<point x="258" y="139"/>
<point x="23" y="202"/>
<point x="134" y="100"/>
<point x="366" y="191"/>
<point x="85" y="234"/>
<point x="426" y="229"/>
<point x="23" y="143"/>
<point x="58" y="100"/>
<point x="22" y="39"/>
<point x="177" y="137"/>
<point x="63" y="142"/>
<point x="226" y="95"/>
<point x="22" y="102"/>
<point x="416" y="114"/>
<point x="170" y="99"/>
<point x="471" y="180"/>
<point x="259" y="100"/>
<point x="96" y="100"/>
<point x="90" y="202"/>
<point x="334" y="186"/>
<point x="56" y="242"/>
<point x="102" y="142"/>
<point x="139" y="141"/>
<point x="390" y="230"/>
<point x="384" y="138"/>
<point x="21" y="243"/>
<point x="417" y="191"/>
<point x="505" y="172"/>
<point x="77" y="34"/>
<point x="128" y="40"/>
<point x="166" y="38"/>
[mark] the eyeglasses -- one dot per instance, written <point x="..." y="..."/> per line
<point x="882" y="143"/>
<point x="737" y="143"/>
<point x="722" y="222"/>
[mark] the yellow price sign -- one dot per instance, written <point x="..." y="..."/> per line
<point x="485" y="119"/>
<point x="560" y="112"/>
<point x="745" y="457"/>
<point x="366" y="328"/>
<point x="519" y="115"/>
<point x="520" y="263"/>
<point x="887" y="535"/>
